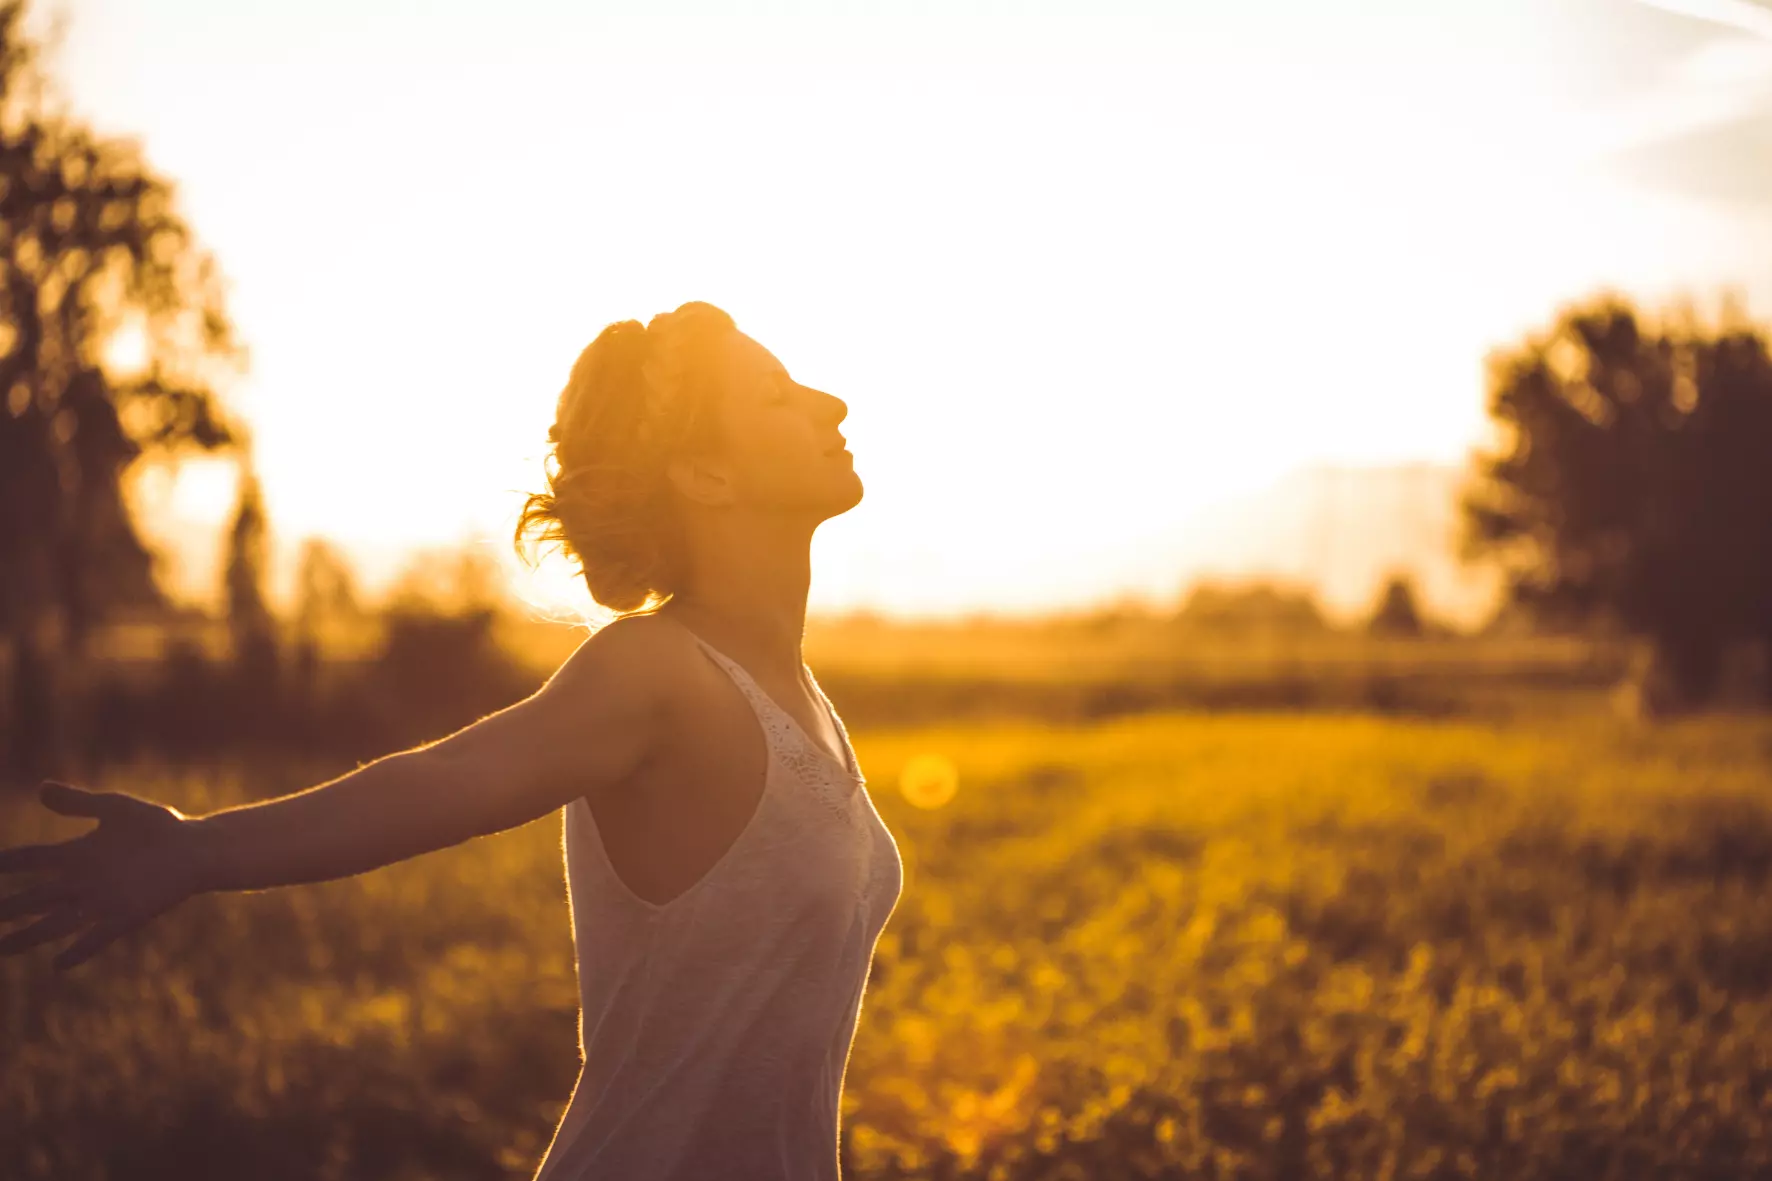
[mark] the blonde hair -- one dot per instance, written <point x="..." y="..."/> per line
<point x="638" y="395"/>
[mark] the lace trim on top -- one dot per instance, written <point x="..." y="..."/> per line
<point x="814" y="766"/>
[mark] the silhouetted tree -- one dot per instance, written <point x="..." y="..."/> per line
<point x="252" y="629"/>
<point x="440" y="664"/>
<point x="1636" y="482"/>
<point x="325" y="590"/>
<point x="1396" y="613"/>
<point x="89" y="247"/>
<point x="463" y="579"/>
<point x="325" y="598"/>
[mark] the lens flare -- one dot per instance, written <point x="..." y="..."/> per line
<point x="929" y="780"/>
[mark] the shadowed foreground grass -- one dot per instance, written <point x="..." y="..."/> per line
<point x="1161" y="947"/>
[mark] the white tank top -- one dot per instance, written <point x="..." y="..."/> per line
<point x="715" y="1028"/>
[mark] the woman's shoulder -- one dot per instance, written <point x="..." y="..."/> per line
<point x="647" y="674"/>
<point x="642" y="648"/>
<point x="648" y="656"/>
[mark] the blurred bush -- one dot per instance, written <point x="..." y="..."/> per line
<point x="338" y="680"/>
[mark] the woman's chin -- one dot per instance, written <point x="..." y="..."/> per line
<point x="850" y="496"/>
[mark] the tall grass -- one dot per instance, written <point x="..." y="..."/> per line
<point x="1225" y="946"/>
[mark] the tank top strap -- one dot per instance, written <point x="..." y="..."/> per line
<point x="830" y="709"/>
<point x="777" y="725"/>
<point x="788" y="741"/>
<point x="752" y="691"/>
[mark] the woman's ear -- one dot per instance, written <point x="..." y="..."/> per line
<point x="700" y="479"/>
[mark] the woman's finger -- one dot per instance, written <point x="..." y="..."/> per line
<point x="35" y="858"/>
<point x="36" y="900"/>
<point x="77" y="801"/>
<point x="62" y="922"/>
<point x="103" y="933"/>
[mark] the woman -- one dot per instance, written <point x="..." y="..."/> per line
<point x="727" y="873"/>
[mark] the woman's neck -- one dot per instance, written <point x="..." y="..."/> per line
<point x="746" y="595"/>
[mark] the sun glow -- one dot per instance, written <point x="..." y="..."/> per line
<point x="127" y="354"/>
<point x="1079" y="280"/>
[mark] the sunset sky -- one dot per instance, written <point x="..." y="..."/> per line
<point x="1086" y="272"/>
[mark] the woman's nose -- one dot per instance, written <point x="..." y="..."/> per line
<point x="829" y="404"/>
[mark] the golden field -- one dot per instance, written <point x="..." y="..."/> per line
<point x="1170" y="945"/>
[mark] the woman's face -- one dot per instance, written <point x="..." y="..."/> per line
<point x="778" y="447"/>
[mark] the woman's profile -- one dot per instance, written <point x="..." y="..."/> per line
<point x="727" y="873"/>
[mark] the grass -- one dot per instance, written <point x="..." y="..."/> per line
<point x="1162" y="946"/>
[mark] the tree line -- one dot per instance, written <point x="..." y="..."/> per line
<point x="1633" y="489"/>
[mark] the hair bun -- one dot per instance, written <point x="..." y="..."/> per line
<point x="629" y="395"/>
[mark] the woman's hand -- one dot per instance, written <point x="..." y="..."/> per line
<point x="141" y="860"/>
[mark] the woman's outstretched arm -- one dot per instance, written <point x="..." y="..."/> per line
<point x="586" y="731"/>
